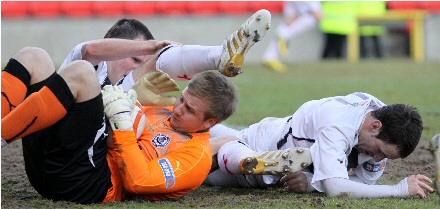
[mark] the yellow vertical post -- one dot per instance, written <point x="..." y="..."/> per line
<point x="418" y="37"/>
<point x="353" y="45"/>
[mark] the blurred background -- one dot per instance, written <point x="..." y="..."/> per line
<point x="57" y="26"/>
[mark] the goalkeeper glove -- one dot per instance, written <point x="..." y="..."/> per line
<point x="118" y="106"/>
<point x="152" y="85"/>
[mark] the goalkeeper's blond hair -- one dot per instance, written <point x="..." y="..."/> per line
<point x="218" y="90"/>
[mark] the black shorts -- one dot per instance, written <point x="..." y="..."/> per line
<point x="67" y="161"/>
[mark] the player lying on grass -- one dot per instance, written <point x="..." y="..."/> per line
<point x="47" y="109"/>
<point x="167" y="153"/>
<point x="60" y="118"/>
<point x="124" y="48"/>
<point x="347" y="138"/>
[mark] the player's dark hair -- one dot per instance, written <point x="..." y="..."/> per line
<point x="218" y="90"/>
<point x="128" y="29"/>
<point x="401" y="125"/>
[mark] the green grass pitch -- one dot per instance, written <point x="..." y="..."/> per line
<point x="264" y="93"/>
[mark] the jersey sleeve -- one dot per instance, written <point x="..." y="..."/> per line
<point x="75" y="54"/>
<point x="170" y="176"/>
<point x="351" y="189"/>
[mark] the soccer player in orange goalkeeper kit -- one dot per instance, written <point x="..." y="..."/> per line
<point x="60" y="118"/>
<point x="166" y="153"/>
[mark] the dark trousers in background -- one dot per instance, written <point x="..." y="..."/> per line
<point x="334" y="46"/>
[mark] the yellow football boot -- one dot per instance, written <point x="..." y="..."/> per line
<point x="277" y="162"/>
<point x="238" y="43"/>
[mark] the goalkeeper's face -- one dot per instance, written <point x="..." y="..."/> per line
<point x="189" y="114"/>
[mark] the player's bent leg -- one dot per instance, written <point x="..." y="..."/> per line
<point x="182" y="62"/>
<point x="231" y="154"/>
<point x="219" y="141"/>
<point x="80" y="76"/>
<point x="39" y="110"/>
<point x="44" y="107"/>
<point x="37" y="61"/>
<point x="15" y="82"/>
<point x="277" y="162"/>
<point x="435" y="149"/>
<point x="239" y="42"/>
<point x="75" y="83"/>
<point x="216" y="144"/>
<point x="282" y="45"/>
<point x="219" y="178"/>
<point x="67" y="161"/>
<point x="28" y="66"/>
<point x="271" y="57"/>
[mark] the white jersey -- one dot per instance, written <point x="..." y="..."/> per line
<point x="330" y="128"/>
<point x="101" y="69"/>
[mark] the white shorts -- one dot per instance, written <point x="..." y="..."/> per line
<point x="262" y="136"/>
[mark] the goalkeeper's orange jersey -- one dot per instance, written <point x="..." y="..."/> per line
<point x="162" y="163"/>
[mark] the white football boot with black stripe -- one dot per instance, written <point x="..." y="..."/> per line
<point x="239" y="43"/>
<point x="277" y="162"/>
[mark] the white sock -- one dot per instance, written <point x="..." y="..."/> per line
<point x="183" y="62"/>
<point x="231" y="154"/>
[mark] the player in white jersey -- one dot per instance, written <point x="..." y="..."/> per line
<point x="356" y="132"/>
<point x="123" y="49"/>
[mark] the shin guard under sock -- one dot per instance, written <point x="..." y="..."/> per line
<point x="38" y="111"/>
<point x="15" y="83"/>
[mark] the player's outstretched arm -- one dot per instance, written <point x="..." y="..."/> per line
<point x="411" y="186"/>
<point x="114" y="49"/>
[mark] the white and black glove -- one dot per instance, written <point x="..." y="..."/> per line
<point x="118" y="106"/>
